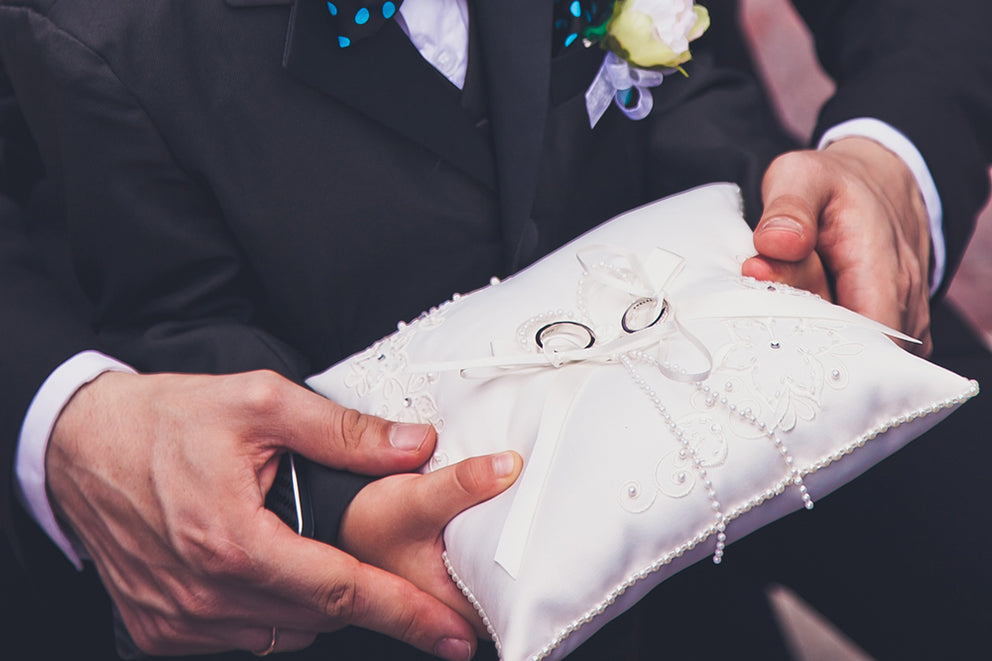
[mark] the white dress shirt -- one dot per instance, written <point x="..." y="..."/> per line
<point x="439" y="30"/>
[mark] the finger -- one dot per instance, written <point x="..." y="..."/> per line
<point x="873" y="292"/>
<point x="808" y="274"/>
<point x="437" y="497"/>
<point x="925" y="348"/>
<point x="271" y="640"/>
<point x="298" y="419"/>
<point x="796" y="189"/>
<point x="224" y="637"/>
<point x="338" y="590"/>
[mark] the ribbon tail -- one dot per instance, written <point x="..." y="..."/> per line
<point x="565" y="390"/>
<point x="599" y="95"/>
<point x="757" y="303"/>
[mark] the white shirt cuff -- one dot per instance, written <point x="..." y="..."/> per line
<point x="32" y="444"/>
<point x="902" y="147"/>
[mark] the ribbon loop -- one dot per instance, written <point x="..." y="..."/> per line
<point x="628" y="87"/>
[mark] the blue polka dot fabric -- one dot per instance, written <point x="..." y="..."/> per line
<point x="353" y="20"/>
<point x="572" y="17"/>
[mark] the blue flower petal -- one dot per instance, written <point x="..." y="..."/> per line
<point x="575" y="8"/>
<point x="388" y="9"/>
<point x="362" y="17"/>
<point x="333" y="8"/>
<point x="344" y="42"/>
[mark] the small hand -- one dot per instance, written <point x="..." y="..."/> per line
<point x="850" y="215"/>
<point x="396" y="523"/>
<point x="163" y="478"/>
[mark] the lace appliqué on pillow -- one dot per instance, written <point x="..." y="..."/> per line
<point x="382" y="370"/>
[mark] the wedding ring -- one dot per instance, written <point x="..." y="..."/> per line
<point x="272" y="644"/>
<point x="640" y="315"/>
<point x="565" y="336"/>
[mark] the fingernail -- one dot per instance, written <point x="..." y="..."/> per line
<point x="403" y="436"/>
<point x="782" y="224"/>
<point x="453" y="649"/>
<point x="503" y="464"/>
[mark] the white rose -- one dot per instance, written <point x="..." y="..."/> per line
<point x="674" y="21"/>
<point x="651" y="33"/>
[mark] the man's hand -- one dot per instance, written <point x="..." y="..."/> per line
<point x="163" y="478"/>
<point x="850" y="216"/>
<point x="396" y="523"/>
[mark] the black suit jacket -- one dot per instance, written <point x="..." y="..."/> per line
<point x="240" y="193"/>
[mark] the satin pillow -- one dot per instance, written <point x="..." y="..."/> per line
<point x="664" y="406"/>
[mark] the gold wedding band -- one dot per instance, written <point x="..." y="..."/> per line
<point x="272" y="644"/>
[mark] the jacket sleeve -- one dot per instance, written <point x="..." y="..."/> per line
<point x="925" y="69"/>
<point x="40" y="326"/>
<point x="169" y="285"/>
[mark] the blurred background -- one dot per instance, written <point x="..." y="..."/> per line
<point x="783" y="50"/>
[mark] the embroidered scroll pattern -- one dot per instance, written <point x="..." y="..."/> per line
<point x="769" y="377"/>
<point x="752" y="366"/>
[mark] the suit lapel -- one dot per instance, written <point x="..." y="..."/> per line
<point x="516" y="43"/>
<point x="385" y="78"/>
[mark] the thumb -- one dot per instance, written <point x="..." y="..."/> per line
<point x="795" y="190"/>
<point x="439" y="496"/>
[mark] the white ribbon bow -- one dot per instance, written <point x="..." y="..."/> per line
<point x="617" y="81"/>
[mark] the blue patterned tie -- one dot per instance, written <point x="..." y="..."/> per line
<point x="353" y="20"/>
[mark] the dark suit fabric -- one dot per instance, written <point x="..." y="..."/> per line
<point x="239" y="193"/>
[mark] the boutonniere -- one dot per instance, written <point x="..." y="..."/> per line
<point x="645" y="40"/>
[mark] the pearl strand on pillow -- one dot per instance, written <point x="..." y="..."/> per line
<point x="683" y="439"/>
<point x="746" y="415"/>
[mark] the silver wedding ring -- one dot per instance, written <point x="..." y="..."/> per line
<point x="272" y="644"/>
<point x="642" y="314"/>
<point x="565" y="336"/>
